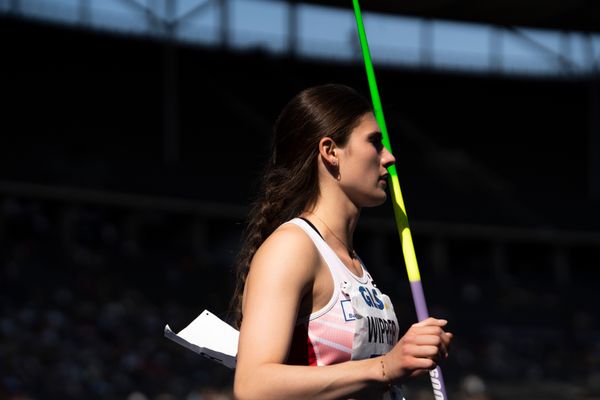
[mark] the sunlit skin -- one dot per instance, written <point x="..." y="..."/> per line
<point x="288" y="279"/>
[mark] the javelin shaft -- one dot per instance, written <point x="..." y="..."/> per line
<point x="410" y="258"/>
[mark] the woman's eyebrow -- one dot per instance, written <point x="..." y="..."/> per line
<point x="375" y="134"/>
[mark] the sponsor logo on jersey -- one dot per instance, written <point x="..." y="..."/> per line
<point x="348" y="310"/>
<point x="371" y="297"/>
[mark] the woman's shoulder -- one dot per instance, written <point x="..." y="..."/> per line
<point x="288" y="248"/>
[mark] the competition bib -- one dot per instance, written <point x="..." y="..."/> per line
<point x="375" y="326"/>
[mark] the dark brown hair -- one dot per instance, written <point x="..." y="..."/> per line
<point x="290" y="180"/>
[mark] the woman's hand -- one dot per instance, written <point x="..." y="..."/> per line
<point x="420" y="350"/>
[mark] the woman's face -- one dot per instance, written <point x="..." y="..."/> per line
<point x="363" y="163"/>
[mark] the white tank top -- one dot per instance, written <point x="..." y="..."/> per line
<point x="358" y="322"/>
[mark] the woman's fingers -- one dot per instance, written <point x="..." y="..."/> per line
<point x="424" y="363"/>
<point x="432" y="340"/>
<point x="447" y="338"/>
<point x="423" y="351"/>
<point x="431" y="322"/>
<point x="421" y="348"/>
<point x="429" y="332"/>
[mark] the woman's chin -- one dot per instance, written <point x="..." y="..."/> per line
<point x="376" y="201"/>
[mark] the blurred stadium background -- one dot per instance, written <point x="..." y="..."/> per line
<point x="133" y="132"/>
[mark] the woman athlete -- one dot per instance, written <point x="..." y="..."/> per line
<point x="313" y="325"/>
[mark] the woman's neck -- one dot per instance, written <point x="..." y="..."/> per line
<point x="335" y="220"/>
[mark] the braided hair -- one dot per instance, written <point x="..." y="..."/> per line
<point x="290" y="179"/>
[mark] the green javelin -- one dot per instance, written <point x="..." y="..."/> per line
<point x="410" y="259"/>
<point x="399" y="208"/>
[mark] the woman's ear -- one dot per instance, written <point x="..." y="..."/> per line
<point x="328" y="151"/>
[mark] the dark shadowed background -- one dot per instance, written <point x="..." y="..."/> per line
<point x="127" y="164"/>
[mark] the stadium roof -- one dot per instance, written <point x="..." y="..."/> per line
<point x="573" y="15"/>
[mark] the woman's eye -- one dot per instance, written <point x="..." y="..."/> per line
<point x="378" y="143"/>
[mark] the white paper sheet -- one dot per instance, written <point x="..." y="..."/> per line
<point x="209" y="336"/>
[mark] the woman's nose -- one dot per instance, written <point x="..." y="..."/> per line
<point x="387" y="158"/>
